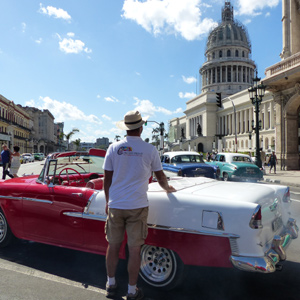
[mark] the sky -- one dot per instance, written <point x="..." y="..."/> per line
<point x="90" y="61"/>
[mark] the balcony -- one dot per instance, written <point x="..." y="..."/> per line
<point x="283" y="66"/>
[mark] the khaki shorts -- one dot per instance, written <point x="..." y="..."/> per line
<point x="133" y="221"/>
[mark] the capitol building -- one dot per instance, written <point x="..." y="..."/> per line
<point x="228" y="72"/>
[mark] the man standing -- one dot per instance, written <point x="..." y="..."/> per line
<point x="273" y="162"/>
<point x="6" y="157"/>
<point x="127" y="167"/>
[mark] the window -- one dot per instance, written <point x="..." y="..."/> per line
<point x="220" y="53"/>
<point x="236" y="53"/>
<point x="228" y="53"/>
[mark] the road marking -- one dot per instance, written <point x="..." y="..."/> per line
<point x="295" y="200"/>
<point x="295" y="193"/>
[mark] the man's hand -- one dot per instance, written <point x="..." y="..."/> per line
<point x="106" y="208"/>
<point x="163" y="182"/>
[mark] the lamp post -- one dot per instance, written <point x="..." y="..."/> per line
<point x="250" y="137"/>
<point x="256" y="94"/>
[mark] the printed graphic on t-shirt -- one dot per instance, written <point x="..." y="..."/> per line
<point x="128" y="152"/>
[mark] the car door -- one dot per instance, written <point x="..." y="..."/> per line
<point x="220" y="161"/>
<point x="53" y="214"/>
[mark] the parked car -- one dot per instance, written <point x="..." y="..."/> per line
<point x="187" y="164"/>
<point x="28" y="157"/>
<point x="204" y="223"/>
<point x="236" y="166"/>
<point x="38" y="156"/>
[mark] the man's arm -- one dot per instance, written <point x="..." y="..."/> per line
<point x="163" y="182"/>
<point x="107" y="183"/>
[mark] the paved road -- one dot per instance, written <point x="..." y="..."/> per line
<point x="32" y="271"/>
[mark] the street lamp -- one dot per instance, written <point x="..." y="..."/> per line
<point x="250" y="137"/>
<point x="256" y="93"/>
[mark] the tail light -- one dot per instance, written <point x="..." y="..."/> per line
<point x="286" y="196"/>
<point x="256" y="219"/>
<point x="179" y="173"/>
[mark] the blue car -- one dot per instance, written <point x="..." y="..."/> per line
<point x="187" y="164"/>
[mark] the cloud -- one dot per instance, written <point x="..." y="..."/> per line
<point x="138" y="74"/>
<point x="169" y="17"/>
<point x="70" y="45"/>
<point x="57" y="13"/>
<point x="254" y="7"/>
<point x="111" y="99"/>
<point x="187" y="95"/>
<point x="189" y="80"/>
<point x="147" y="108"/>
<point x="39" y="41"/>
<point x="98" y="96"/>
<point x="63" y="111"/>
<point x="106" y="117"/>
<point x="23" y="25"/>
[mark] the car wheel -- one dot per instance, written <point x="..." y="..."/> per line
<point x="225" y="177"/>
<point x="161" y="267"/>
<point x="6" y="235"/>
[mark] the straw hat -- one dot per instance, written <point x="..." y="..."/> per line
<point x="132" y="120"/>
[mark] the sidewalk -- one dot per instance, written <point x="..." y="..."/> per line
<point x="289" y="178"/>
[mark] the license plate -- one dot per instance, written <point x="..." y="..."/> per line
<point x="250" y="170"/>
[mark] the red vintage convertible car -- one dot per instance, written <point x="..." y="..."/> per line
<point x="205" y="223"/>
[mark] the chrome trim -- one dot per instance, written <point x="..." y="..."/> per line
<point x="38" y="200"/>
<point x="193" y="231"/>
<point x="276" y="253"/>
<point x="292" y="228"/>
<point x="234" y="246"/>
<point x="73" y="214"/>
<point x="87" y="207"/>
<point x="85" y="216"/>
<point x="253" y="264"/>
<point x="11" y="197"/>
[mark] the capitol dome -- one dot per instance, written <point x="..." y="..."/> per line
<point x="229" y="32"/>
<point x="228" y="67"/>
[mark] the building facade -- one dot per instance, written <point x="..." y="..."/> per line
<point x="283" y="81"/>
<point x="15" y="125"/>
<point x="228" y="70"/>
<point x="42" y="138"/>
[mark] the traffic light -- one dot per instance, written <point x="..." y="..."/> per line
<point x="219" y="99"/>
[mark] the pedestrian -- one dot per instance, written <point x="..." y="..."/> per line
<point x="6" y="158"/>
<point x="273" y="162"/>
<point x="128" y="165"/>
<point x="15" y="161"/>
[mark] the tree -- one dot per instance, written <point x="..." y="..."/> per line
<point x="77" y="143"/>
<point x="156" y="135"/>
<point x="69" y="135"/>
<point x="117" y="138"/>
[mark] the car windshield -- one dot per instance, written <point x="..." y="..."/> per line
<point x="242" y="159"/>
<point x="82" y="164"/>
<point x="188" y="158"/>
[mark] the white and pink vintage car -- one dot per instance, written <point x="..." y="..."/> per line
<point x="205" y="223"/>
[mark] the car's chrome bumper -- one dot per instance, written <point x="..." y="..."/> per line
<point x="276" y="253"/>
<point x="243" y="178"/>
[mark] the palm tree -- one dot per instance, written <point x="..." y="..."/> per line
<point x="117" y="138"/>
<point x="69" y="135"/>
<point x="156" y="135"/>
<point x="77" y="143"/>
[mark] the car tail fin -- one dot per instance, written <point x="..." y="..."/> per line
<point x="256" y="219"/>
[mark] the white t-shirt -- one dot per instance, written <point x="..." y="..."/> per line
<point x="132" y="161"/>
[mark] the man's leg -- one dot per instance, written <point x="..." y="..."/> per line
<point x="4" y="171"/>
<point x="134" y="264"/>
<point x="112" y="258"/>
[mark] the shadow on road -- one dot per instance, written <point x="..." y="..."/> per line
<point x="200" y="283"/>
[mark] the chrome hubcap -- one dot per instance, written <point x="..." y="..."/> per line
<point x="157" y="263"/>
<point x="3" y="227"/>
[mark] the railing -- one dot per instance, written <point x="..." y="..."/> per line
<point x="284" y="65"/>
